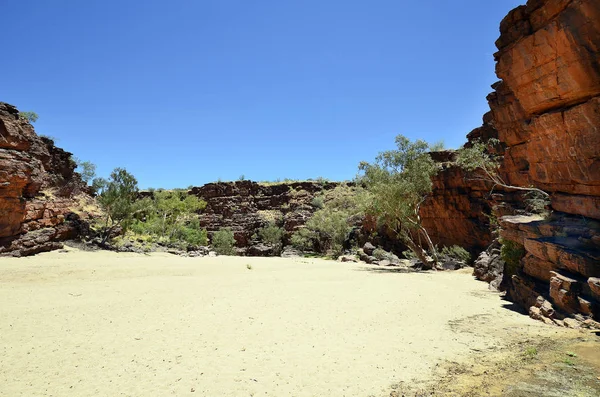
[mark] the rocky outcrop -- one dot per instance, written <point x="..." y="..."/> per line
<point x="546" y="113"/>
<point x="457" y="211"/>
<point x="39" y="189"/>
<point x="246" y="206"/>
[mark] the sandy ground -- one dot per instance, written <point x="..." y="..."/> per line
<point x="99" y="323"/>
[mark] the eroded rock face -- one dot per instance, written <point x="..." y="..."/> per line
<point x="38" y="186"/>
<point x="546" y="111"/>
<point x="246" y="206"/>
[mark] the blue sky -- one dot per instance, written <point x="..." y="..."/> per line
<point x="190" y="91"/>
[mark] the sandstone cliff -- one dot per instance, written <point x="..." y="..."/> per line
<point x="546" y="113"/>
<point x="39" y="189"/>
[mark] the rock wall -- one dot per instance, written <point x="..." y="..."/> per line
<point x="38" y="189"/>
<point x="246" y="206"/>
<point x="546" y="113"/>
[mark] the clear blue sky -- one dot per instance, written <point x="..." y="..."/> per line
<point x="185" y="92"/>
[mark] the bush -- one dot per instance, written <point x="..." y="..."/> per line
<point x="382" y="254"/>
<point x="304" y="239"/>
<point x="329" y="227"/>
<point x="271" y="234"/>
<point x="193" y="234"/>
<point x="457" y="252"/>
<point x="223" y="242"/>
<point x="318" y="202"/>
<point x="32" y="117"/>
<point x="511" y="253"/>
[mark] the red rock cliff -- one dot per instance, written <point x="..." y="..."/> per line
<point x="546" y="113"/>
<point x="38" y="186"/>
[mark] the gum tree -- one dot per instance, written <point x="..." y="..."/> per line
<point x="399" y="181"/>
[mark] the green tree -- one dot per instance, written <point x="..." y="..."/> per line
<point x="86" y="169"/>
<point x="117" y="196"/>
<point x="32" y="117"/>
<point x="174" y="209"/>
<point x="479" y="160"/>
<point x="223" y="242"/>
<point x="399" y="181"/>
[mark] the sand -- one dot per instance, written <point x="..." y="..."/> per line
<point x="99" y="323"/>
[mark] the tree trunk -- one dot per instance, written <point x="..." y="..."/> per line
<point x="427" y="265"/>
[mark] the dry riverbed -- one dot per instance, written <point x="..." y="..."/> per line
<point x="100" y="323"/>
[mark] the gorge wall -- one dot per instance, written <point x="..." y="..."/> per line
<point x="545" y="111"/>
<point x="246" y="206"/>
<point x="39" y="190"/>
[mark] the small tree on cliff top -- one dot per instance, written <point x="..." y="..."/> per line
<point x="32" y="117"/>
<point x="399" y="181"/>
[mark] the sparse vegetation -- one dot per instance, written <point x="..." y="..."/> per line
<point x="327" y="230"/>
<point x="479" y="159"/>
<point x="530" y="352"/>
<point x="457" y="252"/>
<point x="511" y="253"/>
<point x="223" y="242"/>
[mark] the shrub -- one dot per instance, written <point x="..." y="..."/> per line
<point x="271" y="234"/>
<point x="223" y="242"/>
<point x="32" y="117"/>
<point x="304" y="239"/>
<point x="329" y="227"/>
<point x="457" y="252"/>
<point x="317" y="202"/>
<point x="193" y="234"/>
<point x="382" y="254"/>
<point x="511" y="253"/>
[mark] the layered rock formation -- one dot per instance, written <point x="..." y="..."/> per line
<point x="546" y="113"/>
<point x="39" y="189"/>
<point x="246" y="206"/>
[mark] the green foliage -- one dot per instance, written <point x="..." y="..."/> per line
<point x="170" y="216"/>
<point x="479" y="160"/>
<point x="32" y="117"/>
<point x="192" y="234"/>
<point x="399" y="181"/>
<point x="382" y="254"/>
<point x="437" y="146"/>
<point x="117" y="197"/>
<point x="457" y="252"/>
<point x="318" y="202"/>
<point x="242" y="178"/>
<point x="511" y="253"/>
<point x="329" y="227"/>
<point x="478" y="157"/>
<point x="271" y="234"/>
<point x="537" y="202"/>
<point x="87" y="169"/>
<point x="530" y="352"/>
<point x="223" y="242"/>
